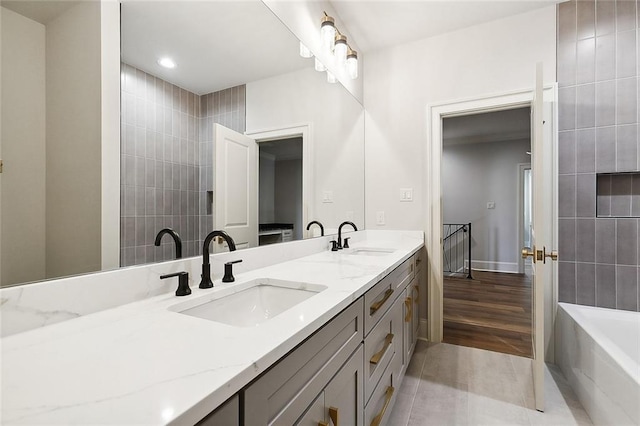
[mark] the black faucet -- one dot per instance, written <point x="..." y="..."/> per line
<point x="183" y="282"/>
<point x="176" y="239"/>
<point x="206" y="267"/>
<point x="340" y="232"/>
<point x="228" y="271"/>
<point x="317" y="223"/>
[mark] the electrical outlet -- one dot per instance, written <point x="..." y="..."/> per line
<point x="406" y="194"/>
<point x="327" y="197"/>
<point x="491" y="205"/>
<point x="380" y="218"/>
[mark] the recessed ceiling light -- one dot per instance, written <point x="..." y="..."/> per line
<point x="167" y="62"/>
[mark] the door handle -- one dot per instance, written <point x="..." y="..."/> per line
<point x="553" y="255"/>
<point x="537" y="255"/>
<point x="527" y="252"/>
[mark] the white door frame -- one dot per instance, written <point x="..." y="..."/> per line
<point x="304" y="131"/>
<point x="433" y="195"/>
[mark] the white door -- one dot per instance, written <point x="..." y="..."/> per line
<point x="235" y="183"/>
<point x="541" y="232"/>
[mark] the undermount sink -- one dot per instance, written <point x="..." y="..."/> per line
<point x="259" y="301"/>
<point x="371" y="251"/>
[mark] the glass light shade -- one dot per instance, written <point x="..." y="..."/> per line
<point x="320" y="66"/>
<point x="352" y="67"/>
<point x="352" y="64"/>
<point x="304" y="51"/>
<point x="327" y="35"/>
<point x="331" y="78"/>
<point x="340" y="50"/>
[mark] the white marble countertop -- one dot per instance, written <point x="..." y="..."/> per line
<point x="142" y="363"/>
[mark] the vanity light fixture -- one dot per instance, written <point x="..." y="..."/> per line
<point x="167" y="63"/>
<point x="327" y="32"/>
<point x="335" y="43"/>
<point x="304" y="51"/>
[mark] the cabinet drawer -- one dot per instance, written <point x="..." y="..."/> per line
<point x="404" y="273"/>
<point x="378" y="409"/>
<point x="381" y="344"/>
<point x="380" y="297"/>
<point x="283" y="393"/>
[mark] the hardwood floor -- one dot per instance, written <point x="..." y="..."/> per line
<point x="492" y="311"/>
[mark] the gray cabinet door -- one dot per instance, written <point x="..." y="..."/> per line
<point x="283" y="394"/>
<point x="228" y="414"/>
<point x="344" y="394"/>
<point x="315" y="415"/>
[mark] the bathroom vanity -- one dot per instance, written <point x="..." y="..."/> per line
<point x="337" y="350"/>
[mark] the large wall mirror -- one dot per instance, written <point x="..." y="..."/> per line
<point x="242" y="131"/>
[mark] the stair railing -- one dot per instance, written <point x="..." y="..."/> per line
<point x="456" y="247"/>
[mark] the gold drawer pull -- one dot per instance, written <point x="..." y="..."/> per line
<point x="323" y="424"/>
<point x="387" y="399"/>
<point x="333" y="415"/>
<point x="378" y="355"/>
<point x="374" y="308"/>
<point x="407" y="303"/>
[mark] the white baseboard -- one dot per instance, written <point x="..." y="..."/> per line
<point x="489" y="266"/>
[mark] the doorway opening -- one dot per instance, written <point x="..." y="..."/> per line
<point x="280" y="190"/>
<point x="487" y="294"/>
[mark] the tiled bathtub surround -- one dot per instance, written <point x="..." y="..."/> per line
<point x="598" y="134"/>
<point x="167" y="150"/>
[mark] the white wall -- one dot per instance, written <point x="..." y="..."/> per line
<point x="23" y="149"/>
<point x="473" y="175"/>
<point x="73" y="60"/>
<point x="337" y="123"/>
<point x="401" y="81"/>
<point x="288" y="195"/>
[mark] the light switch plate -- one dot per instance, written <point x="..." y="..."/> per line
<point x="406" y="194"/>
<point x="491" y="205"/>
<point x="380" y="218"/>
<point x="327" y="197"/>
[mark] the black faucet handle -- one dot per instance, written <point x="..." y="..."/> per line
<point x="228" y="271"/>
<point x="346" y="243"/>
<point x="334" y="245"/>
<point x="183" y="282"/>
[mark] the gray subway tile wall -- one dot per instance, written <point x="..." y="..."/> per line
<point x="158" y="132"/>
<point x="598" y="153"/>
<point x="161" y="166"/>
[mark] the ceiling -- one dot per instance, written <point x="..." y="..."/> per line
<point x="377" y="24"/>
<point x="216" y="44"/>
<point x="221" y="44"/>
<point x="497" y="126"/>
<point x="42" y="11"/>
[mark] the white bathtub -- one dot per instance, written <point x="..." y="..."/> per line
<point x="598" y="351"/>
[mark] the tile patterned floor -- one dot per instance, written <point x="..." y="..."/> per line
<point x="457" y="385"/>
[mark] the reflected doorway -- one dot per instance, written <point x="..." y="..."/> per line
<point x="280" y="196"/>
